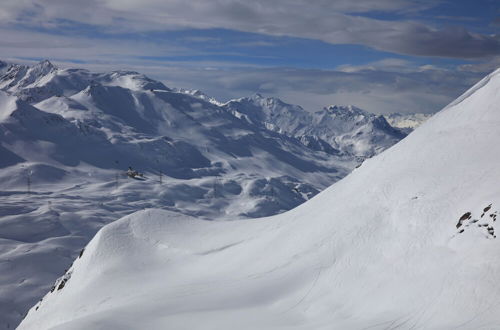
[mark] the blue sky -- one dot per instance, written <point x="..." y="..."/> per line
<point x="381" y="55"/>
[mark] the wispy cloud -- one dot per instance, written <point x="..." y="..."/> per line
<point x="377" y="89"/>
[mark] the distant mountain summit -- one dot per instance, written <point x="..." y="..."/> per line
<point x="43" y="80"/>
<point x="346" y="129"/>
<point x="199" y="94"/>
<point x="354" y="131"/>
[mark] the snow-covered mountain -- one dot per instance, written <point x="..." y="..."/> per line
<point x="408" y="240"/>
<point x="354" y="131"/>
<point x="43" y="80"/>
<point x="67" y="137"/>
<point x="407" y="121"/>
<point x="346" y="129"/>
<point x="199" y="94"/>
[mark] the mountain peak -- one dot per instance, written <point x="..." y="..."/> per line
<point x="198" y="94"/>
<point x="349" y="110"/>
<point x="267" y="100"/>
<point x="40" y="69"/>
<point x="192" y="92"/>
<point x="45" y="65"/>
<point x="132" y="80"/>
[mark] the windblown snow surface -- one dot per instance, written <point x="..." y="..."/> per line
<point x="67" y="137"/>
<point x="408" y="240"/>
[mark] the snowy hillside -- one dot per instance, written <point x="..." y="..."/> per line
<point x="67" y="137"/>
<point x="408" y="240"/>
<point x="334" y="129"/>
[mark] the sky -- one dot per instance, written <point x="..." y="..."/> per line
<point x="381" y="55"/>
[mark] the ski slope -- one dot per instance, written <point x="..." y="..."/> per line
<point x="408" y="240"/>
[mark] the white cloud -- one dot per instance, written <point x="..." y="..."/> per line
<point x="374" y="90"/>
<point x="33" y="44"/>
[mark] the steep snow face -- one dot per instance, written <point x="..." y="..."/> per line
<point x="38" y="136"/>
<point x="345" y="129"/>
<point x="407" y="240"/>
<point x="407" y="122"/>
<point x="8" y="104"/>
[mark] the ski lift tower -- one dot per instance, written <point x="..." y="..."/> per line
<point x="29" y="173"/>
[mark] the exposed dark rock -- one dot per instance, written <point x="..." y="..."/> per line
<point x="464" y="217"/>
<point x="61" y="285"/>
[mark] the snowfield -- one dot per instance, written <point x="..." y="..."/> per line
<point x="408" y="240"/>
<point x="67" y="137"/>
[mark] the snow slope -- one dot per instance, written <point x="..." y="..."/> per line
<point x="408" y="240"/>
<point x="67" y="137"/>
